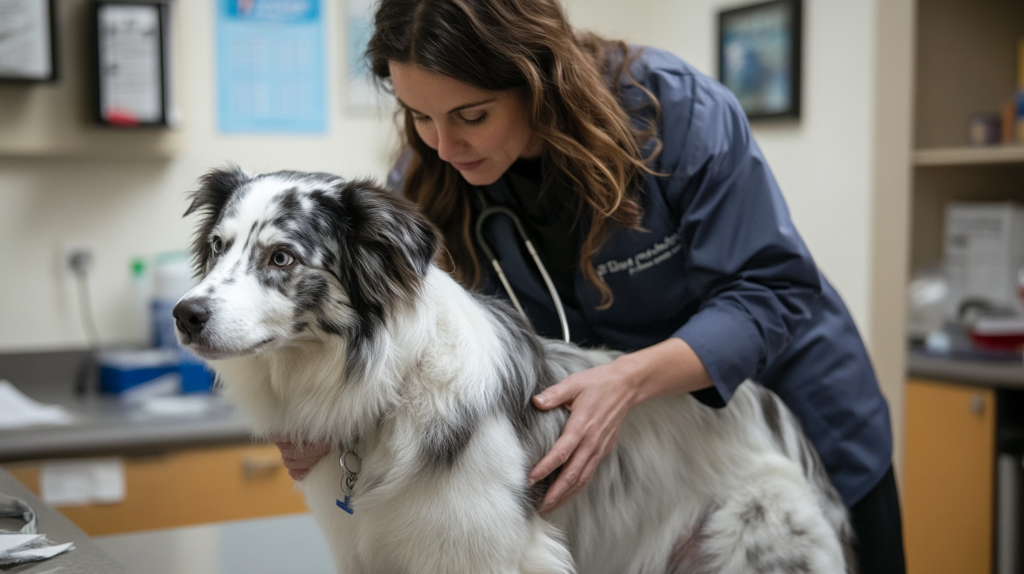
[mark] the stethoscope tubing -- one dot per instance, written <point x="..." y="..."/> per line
<point x="487" y="211"/>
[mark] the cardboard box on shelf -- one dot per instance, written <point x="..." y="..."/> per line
<point x="983" y="251"/>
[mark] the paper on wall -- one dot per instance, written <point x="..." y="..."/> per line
<point x="131" y="76"/>
<point x="25" y="39"/>
<point x="271" y="71"/>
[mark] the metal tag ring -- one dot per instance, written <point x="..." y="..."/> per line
<point x="351" y="462"/>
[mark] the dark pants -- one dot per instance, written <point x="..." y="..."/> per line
<point x="876" y="522"/>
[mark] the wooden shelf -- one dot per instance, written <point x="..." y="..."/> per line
<point x="969" y="155"/>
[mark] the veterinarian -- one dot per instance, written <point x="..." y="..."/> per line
<point x="658" y="220"/>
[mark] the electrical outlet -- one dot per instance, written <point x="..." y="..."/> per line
<point x="76" y="259"/>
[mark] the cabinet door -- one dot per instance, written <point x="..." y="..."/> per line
<point x="949" y="478"/>
<point x="188" y="487"/>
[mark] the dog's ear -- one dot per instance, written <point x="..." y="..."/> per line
<point x="390" y="227"/>
<point x="215" y="190"/>
<point x="420" y="239"/>
<point x="386" y="247"/>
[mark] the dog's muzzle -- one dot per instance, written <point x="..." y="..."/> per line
<point x="191" y="315"/>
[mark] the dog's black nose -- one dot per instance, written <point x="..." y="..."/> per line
<point x="191" y="315"/>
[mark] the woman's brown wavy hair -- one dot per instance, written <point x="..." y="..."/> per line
<point x="567" y="80"/>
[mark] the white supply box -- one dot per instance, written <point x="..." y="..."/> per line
<point x="984" y="249"/>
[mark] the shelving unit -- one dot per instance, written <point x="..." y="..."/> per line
<point x="968" y="155"/>
<point x="966" y="58"/>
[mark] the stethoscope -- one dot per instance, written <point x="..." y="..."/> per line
<point x="487" y="210"/>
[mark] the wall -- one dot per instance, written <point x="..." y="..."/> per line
<point x="822" y="161"/>
<point x="122" y="208"/>
<point x="894" y="95"/>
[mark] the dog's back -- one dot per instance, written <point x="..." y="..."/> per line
<point x="689" y="488"/>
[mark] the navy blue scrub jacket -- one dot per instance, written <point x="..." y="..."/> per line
<point x="721" y="266"/>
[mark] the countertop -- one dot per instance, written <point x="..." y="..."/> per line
<point x="1006" y="374"/>
<point x="104" y="425"/>
<point x="86" y="558"/>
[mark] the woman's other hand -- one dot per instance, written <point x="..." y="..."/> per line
<point x="298" y="458"/>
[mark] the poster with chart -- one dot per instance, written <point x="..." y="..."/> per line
<point x="270" y="66"/>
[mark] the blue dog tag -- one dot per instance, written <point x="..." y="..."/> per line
<point x="346" y="506"/>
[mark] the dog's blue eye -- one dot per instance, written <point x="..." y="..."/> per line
<point x="281" y="259"/>
<point x="217" y="245"/>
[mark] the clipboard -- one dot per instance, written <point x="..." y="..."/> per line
<point x="28" y="41"/>
<point x="131" y="67"/>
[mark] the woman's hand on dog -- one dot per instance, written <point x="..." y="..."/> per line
<point x="298" y="458"/>
<point x="598" y="400"/>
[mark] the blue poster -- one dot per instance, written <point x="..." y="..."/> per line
<point x="271" y="66"/>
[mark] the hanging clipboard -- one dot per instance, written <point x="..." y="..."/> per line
<point x="131" y="62"/>
<point x="28" y="49"/>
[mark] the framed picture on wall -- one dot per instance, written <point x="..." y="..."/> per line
<point x="28" y="51"/>
<point x="759" y="57"/>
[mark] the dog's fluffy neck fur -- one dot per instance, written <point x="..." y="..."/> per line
<point x="419" y="344"/>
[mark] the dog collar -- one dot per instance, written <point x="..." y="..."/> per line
<point x="351" y="464"/>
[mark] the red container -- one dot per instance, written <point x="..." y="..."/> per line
<point x="998" y="333"/>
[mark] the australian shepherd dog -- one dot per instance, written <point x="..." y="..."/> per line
<point x="323" y="313"/>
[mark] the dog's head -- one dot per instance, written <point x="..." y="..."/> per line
<point x="288" y="254"/>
